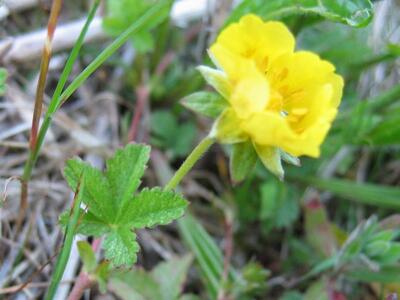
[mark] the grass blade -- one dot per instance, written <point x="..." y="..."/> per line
<point x="365" y="193"/>
<point x="67" y="245"/>
<point x="207" y="253"/>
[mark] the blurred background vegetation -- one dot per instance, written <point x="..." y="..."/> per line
<point x="329" y="231"/>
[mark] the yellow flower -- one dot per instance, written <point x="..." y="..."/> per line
<point x="282" y="100"/>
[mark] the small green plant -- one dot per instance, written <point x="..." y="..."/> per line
<point x="255" y="111"/>
<point x="113" y="209"/>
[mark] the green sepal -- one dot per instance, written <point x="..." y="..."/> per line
<point x="242" y="161"/>
<point x="217" y="79"/>
<point x="205" y="103"/>
<point x="271" y="158"/>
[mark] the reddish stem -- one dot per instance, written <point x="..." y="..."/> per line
<point x="142" y="95"/>
<point x="81" y="284"/>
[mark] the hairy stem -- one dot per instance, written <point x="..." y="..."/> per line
<point x="188" y="164"/>
<point x="81" y="284"/>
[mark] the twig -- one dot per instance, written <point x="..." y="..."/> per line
<point x="16" y="288"/>
<point x="29" y="46"/>
<point x="44" y="67"/>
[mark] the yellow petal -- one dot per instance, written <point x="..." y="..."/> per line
<point x="271" y="129"/>
<point x="301" y="70"/>
<point x="250" y="95"/>
<point x="254" y="39"/>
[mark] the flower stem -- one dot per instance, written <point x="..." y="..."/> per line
<point x="188" y="164"/>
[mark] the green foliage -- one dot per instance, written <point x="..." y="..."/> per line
<point x="370" y="246"/>
<point x="3" y="78"/>
<point x="113" y="209"/>
<point x="356" y="13"/>
<point x="254" y="280"/>
<point x="164" y="282"/>
<point x="205" y="103"/>
<point x="165" y="129"/>
<point x="279" y="206"/>
<point x="121" y="14"/>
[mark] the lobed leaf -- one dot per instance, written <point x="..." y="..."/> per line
<point x="96" y="194"/>
<point x="153" y="207"/>
<point x="124" y="171"/>
<point x="357" y="13"/>
<point x="121" y="247"/>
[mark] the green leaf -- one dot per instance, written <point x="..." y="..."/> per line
<point x="96" y="194"/>
<point x="390" y="274"/>
<point x="366" y="193"/>
<point x="242" y="161"/>
<point x="122" y="13"/>
<point x="171" y="275"/>
<point x="153" y="207"/>
<point x="121" y="247"/>
<point x="356" y="13"/>
<point x="165" y="129"/>
<point x="279" y="206"/>
<point x="135" y="285"/>
<point x="87" y="255"/>
<point x="3" y="78"/>
<point x="88" y="225"/>
<point x="91" y="225"/>
<point x="164" y="282"/>
<point x="124" y="171"/>
<point x="206" y="103"/>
